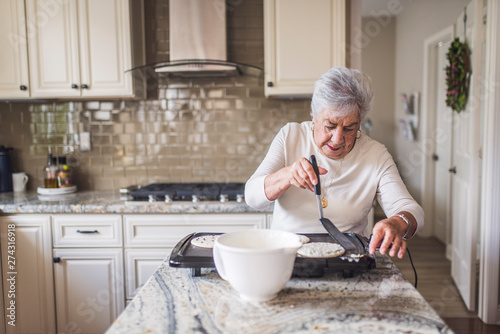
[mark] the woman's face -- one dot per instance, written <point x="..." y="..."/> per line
<point x="335" y="136"/>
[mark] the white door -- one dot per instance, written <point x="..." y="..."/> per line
<point x="14" y="81"/>
<point x="443" y="140"/>
<point x="89" y="289"/>
<point x="27" y="274"/>
<point x="465" y="179"/>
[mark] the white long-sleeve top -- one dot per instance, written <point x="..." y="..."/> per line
<point x="350" y="186"/>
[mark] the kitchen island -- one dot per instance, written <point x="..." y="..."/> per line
<point x="380" y="300"/>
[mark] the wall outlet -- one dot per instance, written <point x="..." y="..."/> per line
<point x="85" y="145"/>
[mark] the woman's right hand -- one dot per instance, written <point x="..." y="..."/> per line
<point x="301" y="174"/>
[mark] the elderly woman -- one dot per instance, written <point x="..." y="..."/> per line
<point x="354" y="169"/>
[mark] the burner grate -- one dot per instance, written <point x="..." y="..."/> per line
<point x="190" y="192"/>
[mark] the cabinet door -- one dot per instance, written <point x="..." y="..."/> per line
<point x="14" y="81"/>
<point x="53" y="48"/>
<point x="105" y="47"/>
<point x="27" y="274"/>
<point x="89" y="289"/>
<point x="140" y="265"/>
<point x="303" y="39"/>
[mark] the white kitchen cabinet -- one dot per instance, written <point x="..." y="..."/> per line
<point x="83" y="48"/>
<point x="27" y="273"/>
<point x="140" y="265"/>
<point x="302" y="40"/>
<point x="166" y="230"/>
<point x="89" y="230"/>
<point x="149" y="239"/>
<point x="89" y="288"/>
<point x="88" y="271"/>
<point x="14" y="79"/>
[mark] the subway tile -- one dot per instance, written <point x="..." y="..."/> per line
<point x="135" y="171"/>
<point x="93" y="105"/>
<point x="214" y="92"/>
<point x="133" y="128"/>
<point x="236" y="92"/>
<point x="103" y="184"/>
<point x="171" y="93"/>
<point x="181" y="173"/>
<point x="158" y="174"/>
<point x="178" y="104"/>
<point x="98" y="139"/>
<point x="115" y="150"/>
<point x="146" y="160"/>
<point x="102" y="115"/>
<point x="123" y="139"/>
<point x="125" y="116"/>
<point x="245" y="104"/>
<point x="109" y="105"/>
<point x="223" y="104"/>
<point x="115" y="172"/>
<point x="123" y="161"/>
<point x="155" y="127"/>
<point x="188" y="93"/>
<point x="97" y="161"/>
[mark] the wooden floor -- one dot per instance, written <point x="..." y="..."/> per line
<point x="437" y="287"/>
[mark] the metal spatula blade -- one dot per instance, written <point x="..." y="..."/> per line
<point x="332" y="230"/>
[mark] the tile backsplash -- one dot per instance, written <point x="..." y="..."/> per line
<point x="193" y="130"/>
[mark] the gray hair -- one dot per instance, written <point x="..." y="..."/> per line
<point x="344" y="90"/>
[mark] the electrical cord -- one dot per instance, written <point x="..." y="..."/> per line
<point x="412" y="266"/>
<point x="409" y="255"/>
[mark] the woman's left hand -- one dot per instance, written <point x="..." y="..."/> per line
<point x="388" y="235"/>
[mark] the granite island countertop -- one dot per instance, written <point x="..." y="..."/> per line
<point x="377" y="301"/>
<point x="109" y="202"/>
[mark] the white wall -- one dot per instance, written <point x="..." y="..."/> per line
<point x="378" y="58"/>
<point x="416" y="21"/>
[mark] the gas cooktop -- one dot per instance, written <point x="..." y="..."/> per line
<point x="195" y="192"/>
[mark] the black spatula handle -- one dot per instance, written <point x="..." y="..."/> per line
<point x="317" y="187"/>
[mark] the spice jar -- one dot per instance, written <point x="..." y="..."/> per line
<point x="64" y="174"/>
<point x="50" y="173"/>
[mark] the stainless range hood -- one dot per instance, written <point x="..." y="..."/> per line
<point x="197" y="31"/>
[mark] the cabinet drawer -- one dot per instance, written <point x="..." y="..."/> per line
<point x="87" y="230"/>
<point x="166" y="230"/>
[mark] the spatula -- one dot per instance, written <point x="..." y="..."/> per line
<point x="332" y="230"/>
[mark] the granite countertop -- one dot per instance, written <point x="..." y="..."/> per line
<point x="377" y="301"/>
<point x="109" y="202"/>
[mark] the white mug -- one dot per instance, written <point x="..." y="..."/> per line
<point x="257" y="263"/>
<point x="19" y="181"/>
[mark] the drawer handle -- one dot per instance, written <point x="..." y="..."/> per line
<point x="87" y="232"/>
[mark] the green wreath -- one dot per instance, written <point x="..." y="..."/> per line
<point x="457" y="75"/>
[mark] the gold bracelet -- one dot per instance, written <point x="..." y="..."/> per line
<point x="407" y="224"/>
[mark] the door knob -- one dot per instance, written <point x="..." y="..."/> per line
<point x="453" y="170"/>
<point x="74" y="86"/>
<point x="57" y="259"/>
<point x="435" y="157"/>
